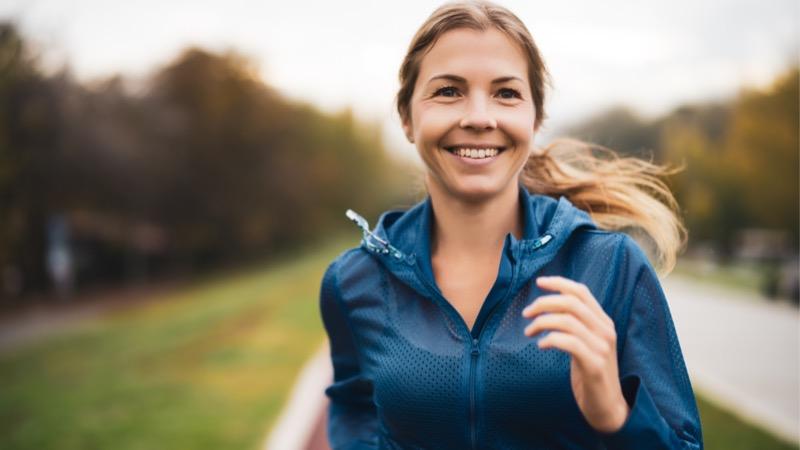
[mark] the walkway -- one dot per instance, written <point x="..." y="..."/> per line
<point x="741" y="351"/>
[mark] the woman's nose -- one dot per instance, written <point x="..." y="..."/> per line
<point x="477" y="115"/>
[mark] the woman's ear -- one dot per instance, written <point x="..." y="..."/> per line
<point x="409" y="132"/>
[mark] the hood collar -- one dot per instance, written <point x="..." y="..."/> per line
<point x="402" y="238"/>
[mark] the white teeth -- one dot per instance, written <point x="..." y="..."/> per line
<point x="476" y="153"/>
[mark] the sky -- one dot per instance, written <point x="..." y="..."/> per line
<point x="649" y="55"/>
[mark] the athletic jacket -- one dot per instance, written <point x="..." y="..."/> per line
<point x="410" y="374"/>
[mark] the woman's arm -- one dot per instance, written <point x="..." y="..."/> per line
<point x="352" y="418"/>
<point x="655" y="382"/>
<point x="633" y="389"/>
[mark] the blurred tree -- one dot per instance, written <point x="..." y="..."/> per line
<point x="763" y="147"/>
<point x="206" y="165"/>
<point x="621" y="129"/>
<point x="249" y="171"/>
<point x="29" y="129"/>
<point x="742" y="162"/>
<point x="693" y="137"/>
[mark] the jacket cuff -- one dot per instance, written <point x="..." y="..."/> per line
<point x="644" y="425"/>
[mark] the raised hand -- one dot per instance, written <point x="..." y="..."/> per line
<point x="579" y="326"/>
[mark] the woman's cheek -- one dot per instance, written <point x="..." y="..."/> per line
<point x="433" y="128"/>
<point x="437" y="119"/>
<point x="518" y="126"/>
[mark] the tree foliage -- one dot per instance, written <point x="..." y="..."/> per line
<point x="204" y="166"/>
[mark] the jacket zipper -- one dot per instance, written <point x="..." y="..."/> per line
<point x="472" y="368"/>
<point x="474" y="360"/>
<point x="475" y="350"/>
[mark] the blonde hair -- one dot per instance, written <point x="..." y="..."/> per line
<point x="624" y="194"/>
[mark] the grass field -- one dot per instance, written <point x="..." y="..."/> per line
<point x="723" y="431"/>
<point x="208" y="367"/>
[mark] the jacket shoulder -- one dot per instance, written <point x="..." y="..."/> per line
<point x="348" y="267"/>
<point x="617" y="243"/>
<point x="591" y="243"/>
<point x="611" y="262"/>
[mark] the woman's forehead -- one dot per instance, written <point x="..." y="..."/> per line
<point x="470" y="53"/>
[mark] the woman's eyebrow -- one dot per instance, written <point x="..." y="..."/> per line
<point x="456" y="78"/>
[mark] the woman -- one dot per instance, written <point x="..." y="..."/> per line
<point x="495" y="314"/>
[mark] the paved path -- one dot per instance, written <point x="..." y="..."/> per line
<point x="301" y="425"/>
<point x="44" y="316"/>
<point x="741" y="352"/>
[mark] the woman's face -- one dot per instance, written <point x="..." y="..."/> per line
<point x="472" y="116"/>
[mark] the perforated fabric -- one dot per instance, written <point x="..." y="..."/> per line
<point x="409" y="374"/>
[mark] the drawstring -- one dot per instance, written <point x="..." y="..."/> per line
<point x="370" y="240"/>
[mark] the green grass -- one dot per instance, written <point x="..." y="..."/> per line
<point x="208" y="367"/>
<point x="205" y="368"/>
<point x="724" y="431"/>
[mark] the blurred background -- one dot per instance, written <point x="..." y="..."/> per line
<point x="173" y="177"/>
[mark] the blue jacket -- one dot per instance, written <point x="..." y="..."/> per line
<point x="409" y="374"/>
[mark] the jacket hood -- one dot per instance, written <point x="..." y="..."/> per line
<point x="401" y="239"/>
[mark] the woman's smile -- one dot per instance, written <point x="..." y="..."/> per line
<point x="475" y="155"/>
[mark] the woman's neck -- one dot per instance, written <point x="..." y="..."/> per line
<point x="473" y="229"/>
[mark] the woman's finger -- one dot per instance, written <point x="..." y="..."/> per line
<point x="566" y="323"/>
<point x="579" y="290"/>
<point x="555" y="303"/>
<point x="589" y="361"/>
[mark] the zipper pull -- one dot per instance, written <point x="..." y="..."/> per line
<point x="542" y="241"/>
<point x="368" y="236"/>
<point x="360" y="221"/>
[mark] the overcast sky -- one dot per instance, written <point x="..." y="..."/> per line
<point x="651" y="55"/>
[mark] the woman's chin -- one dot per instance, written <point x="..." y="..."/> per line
<point x="470" y="188"/>
<point x="477" y="190"/>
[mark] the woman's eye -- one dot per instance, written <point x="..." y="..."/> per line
<point x="508" y="93"/>
<point x="447" y="91"/>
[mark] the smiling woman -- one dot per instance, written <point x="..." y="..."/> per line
<point x="506" y="310"/>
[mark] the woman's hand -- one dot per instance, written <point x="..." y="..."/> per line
<point x="582" y="329"/>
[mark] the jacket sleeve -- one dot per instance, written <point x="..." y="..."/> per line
<point x="352" y="417"/>
<point x="655" y="383"/>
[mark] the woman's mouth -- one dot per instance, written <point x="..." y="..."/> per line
<point x="474" y="155"/>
